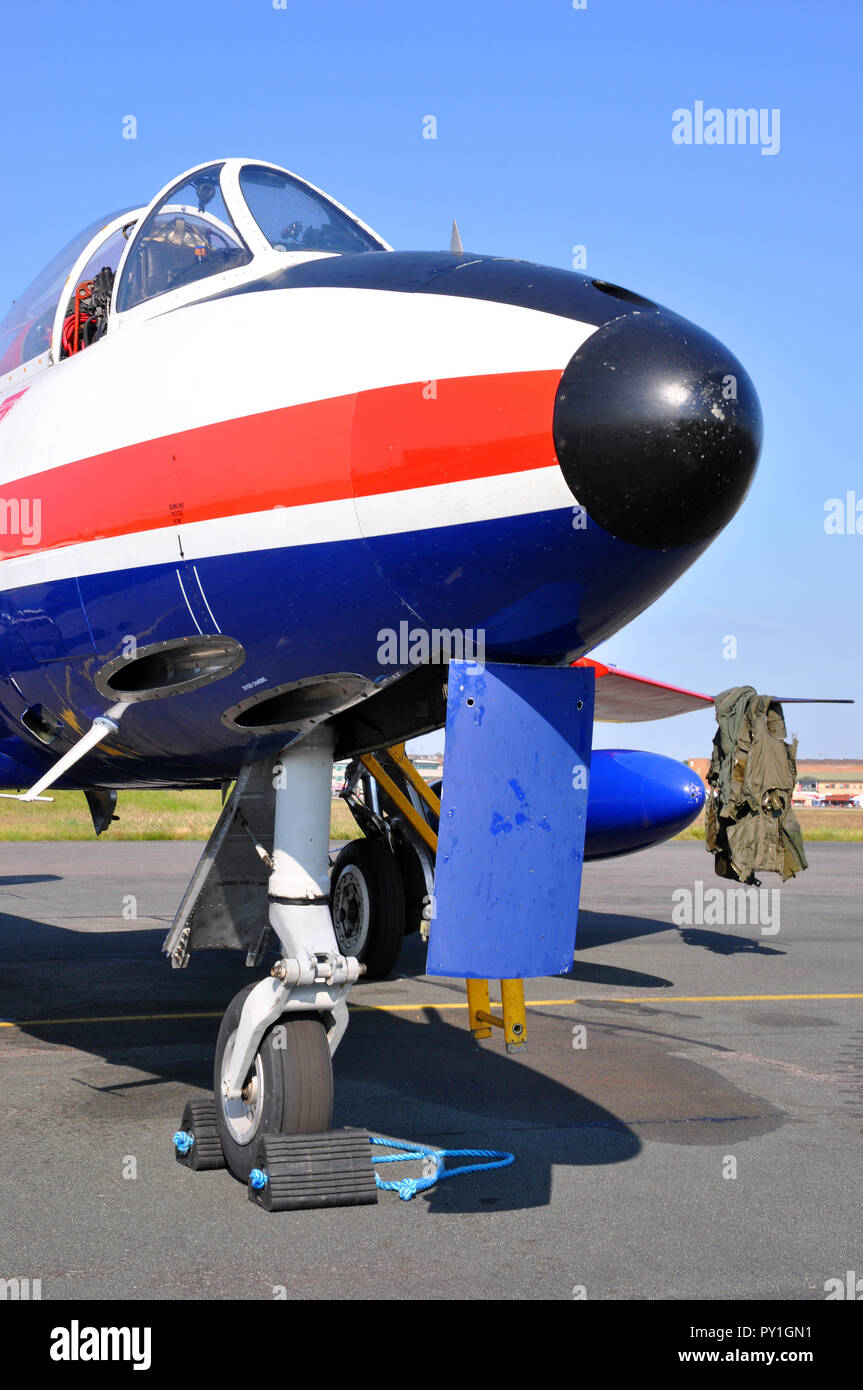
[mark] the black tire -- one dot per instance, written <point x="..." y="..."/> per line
<point x="367" y="902"/>
<point x="414" y="882"/>
<point x="413" y="876"/>
<point x="293" y="1069"/>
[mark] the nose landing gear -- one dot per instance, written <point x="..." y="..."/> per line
<point x="287" y="1090"/>
<point x="273" y="1065"/>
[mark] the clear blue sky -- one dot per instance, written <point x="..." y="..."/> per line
<point x="554" y="129"/>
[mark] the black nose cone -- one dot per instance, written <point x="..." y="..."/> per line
<point x="657" y="429"/>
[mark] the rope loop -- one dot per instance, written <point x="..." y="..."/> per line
<point x="435" y="1160"/>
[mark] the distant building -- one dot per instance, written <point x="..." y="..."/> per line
<point x="428" y="765"/>
<point x="821" y="781"/>
<point x="699" y="765"/>
<point x="829" y="782"/>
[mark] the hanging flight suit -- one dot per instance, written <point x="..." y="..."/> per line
<point x="751" y="780"/>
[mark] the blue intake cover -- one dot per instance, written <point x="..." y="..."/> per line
<point x="513" y="818"/>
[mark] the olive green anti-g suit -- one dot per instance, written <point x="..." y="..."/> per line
<point x="753" y="771"/>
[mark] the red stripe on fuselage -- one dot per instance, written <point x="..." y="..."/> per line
<point x="378" y="441"/>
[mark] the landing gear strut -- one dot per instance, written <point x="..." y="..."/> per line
<point x="273" y="1070"/>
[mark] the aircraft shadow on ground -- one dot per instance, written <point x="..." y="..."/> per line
<point x="72" y="981"/>
<point x="591" y="973"/>
<point x="605" y="928"/>
<point x="583" y="972"/>
<point x="425" y="1079"/>
<point x="411" y="1075"/>
<point x="397" y="1075"/>
<point x="13" y="880"/>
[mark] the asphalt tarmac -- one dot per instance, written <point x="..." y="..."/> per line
<point x="687" y="1121"/>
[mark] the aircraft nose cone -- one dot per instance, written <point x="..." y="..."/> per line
<point x="657" y="429"/>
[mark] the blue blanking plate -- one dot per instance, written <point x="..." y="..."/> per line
<point x="513" y="817"/>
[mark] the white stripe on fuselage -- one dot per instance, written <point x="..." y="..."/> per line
<point x="415" y="509"/>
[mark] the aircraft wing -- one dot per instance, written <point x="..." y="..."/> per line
<point x="623" y="698"/>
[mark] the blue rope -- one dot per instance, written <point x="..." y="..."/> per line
<point x="408" y="1187"/>
<point x="258" y="1178"/>
<point x="183" y="1141"/>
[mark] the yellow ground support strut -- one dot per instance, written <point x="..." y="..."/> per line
<point x="398" y="755"/>
<point x="482" y="1020"/>
<point x="513" y="1021"/>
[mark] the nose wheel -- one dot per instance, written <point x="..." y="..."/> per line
<point x="288" y="1089"/>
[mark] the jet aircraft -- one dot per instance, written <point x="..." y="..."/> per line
<point x="240" y="438"/>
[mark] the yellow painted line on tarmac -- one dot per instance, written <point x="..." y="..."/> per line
<point x="455" y="1004"/>
<point x="613" y="999"/>
<point x="708" y="998"/>
<point x="101" y="1018"/>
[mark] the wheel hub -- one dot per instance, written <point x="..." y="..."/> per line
<point x="243" y="1113"/>
<point x="351" y="911"/>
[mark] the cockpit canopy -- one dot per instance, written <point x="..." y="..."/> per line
<point x="235" y="218"/>
<point x="188" y="236"/>
<point x="25" y="332"/>
<point x="293" y="216"/>
<point x="191" y="233"/>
